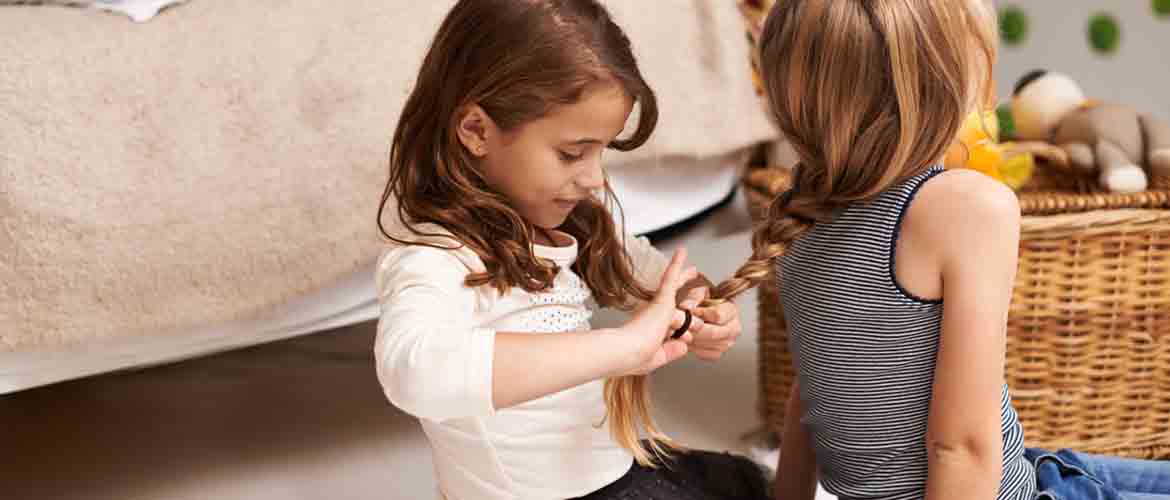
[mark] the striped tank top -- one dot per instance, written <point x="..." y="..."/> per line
<point x="864" y="349"/>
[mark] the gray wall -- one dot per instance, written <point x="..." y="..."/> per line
<point x="1137" y="73"/>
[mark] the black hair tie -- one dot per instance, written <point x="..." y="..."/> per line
<point x="685" y="326"/>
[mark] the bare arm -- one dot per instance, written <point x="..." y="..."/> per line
<point x="976" y="223"/>
<point x="530" y="366"/>
<point x="796" y="474"/>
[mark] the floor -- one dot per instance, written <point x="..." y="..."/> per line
<point x="305" y="419"/>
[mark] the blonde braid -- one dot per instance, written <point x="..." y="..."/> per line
<point x="785" y="222"/>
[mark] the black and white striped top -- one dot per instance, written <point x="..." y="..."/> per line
<point x="864" y="349"/>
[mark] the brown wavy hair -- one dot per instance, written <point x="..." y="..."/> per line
<point x="869" y="93"/>
<point x="517" y="60"/>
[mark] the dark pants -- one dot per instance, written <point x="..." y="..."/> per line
<point x="693" y="475"/>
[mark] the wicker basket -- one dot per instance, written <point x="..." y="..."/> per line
<point x="1088" y="351"/>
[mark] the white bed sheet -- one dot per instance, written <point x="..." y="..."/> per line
<point x="348" y="302"/>
<point x="657" y="193"/>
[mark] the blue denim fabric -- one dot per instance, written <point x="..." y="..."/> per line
<point x="1069" y="475"/>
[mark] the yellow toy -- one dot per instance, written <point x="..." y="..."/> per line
<point x="978" y="148"/>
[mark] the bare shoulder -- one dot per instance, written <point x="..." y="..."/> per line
<point x="961" y="208"/>
<point x="967" y="192"/>
<point x="965" y="199"/>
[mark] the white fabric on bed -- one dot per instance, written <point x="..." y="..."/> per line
<point x="138" y="10"/>
<point x="659" y="192"/>
<point x="351" y="300"/>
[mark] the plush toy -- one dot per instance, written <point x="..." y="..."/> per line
<point x="1121" y="146"/>
<point x="977" y="147"/>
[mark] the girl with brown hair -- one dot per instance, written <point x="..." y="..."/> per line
<point x="499" y="240"/>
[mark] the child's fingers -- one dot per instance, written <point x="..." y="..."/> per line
<point x="711" y="334"/>
<point x="711" y="315"/>
<point x="674" y="278"/>
<point x="679" y="317"/>
<point x="694" y="297"/>
<point x="720" y="314"/>
<point x="673" y="271"/>
<point x="687" y="274"/>
<point x="708" y="354"/>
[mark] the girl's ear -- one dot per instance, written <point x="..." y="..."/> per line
<point x="474" y="128"/>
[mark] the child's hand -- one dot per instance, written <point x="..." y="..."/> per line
<point x="647" y="335"/>
<point x="721" y="329"/>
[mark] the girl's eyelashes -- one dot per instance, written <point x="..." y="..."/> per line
<point x="569" y="157"/>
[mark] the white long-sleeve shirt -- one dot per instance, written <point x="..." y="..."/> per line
<point x="434" y="354"/>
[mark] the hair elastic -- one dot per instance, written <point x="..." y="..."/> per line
<point x="685" y="326"/>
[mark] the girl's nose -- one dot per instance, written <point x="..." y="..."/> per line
<point x="593" y="176"/>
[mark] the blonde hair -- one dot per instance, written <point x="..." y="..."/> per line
<point x="627" y="400"/>
<point x="868" y="93"/>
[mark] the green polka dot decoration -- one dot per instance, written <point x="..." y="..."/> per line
<point x="1007" y="126"/>
<point x="1104" y="33"/>
<point x="1013" y="25"/>
<point x="1161" y="8"/>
